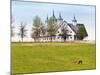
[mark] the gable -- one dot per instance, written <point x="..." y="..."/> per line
<point x="70" y="28"/>
<point x="74" y="28"/>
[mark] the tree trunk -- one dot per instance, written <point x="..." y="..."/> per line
<point x="22" y="39"/>
<point x="51" y="38"/>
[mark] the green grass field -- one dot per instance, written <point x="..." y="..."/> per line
<point x="51" y="57"/>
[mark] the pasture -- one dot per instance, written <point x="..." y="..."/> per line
<point x="31" y="57"/>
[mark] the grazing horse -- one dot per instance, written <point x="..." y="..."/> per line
<point x="80" y="62"/>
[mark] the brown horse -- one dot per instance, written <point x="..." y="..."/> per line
<point x="80" y="62"/>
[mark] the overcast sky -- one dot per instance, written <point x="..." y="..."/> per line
<point x="25" y="12"/>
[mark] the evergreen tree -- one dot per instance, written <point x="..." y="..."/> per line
<point x="81" y="33"/>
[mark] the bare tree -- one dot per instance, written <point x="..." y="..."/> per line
<point x="22" y="31"/>
<point x="64" y="32"/>
<point x="36" y="28"/>
<point x="43" y="29"/>
<point x="51" y="27"/>
<point x="12" y="27"/>
<point x="12" y="31"/>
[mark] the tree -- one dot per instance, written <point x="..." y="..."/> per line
<point x="22" y="31"/>
<point x="36" y="28"/>
<point x="81" y="32"/>
<point x="43" y="29"/>
<point x="12" y="30"/>
<point x="51" y="27"/>
<point x="64" y="32"/>
<point x="12" y="27"/>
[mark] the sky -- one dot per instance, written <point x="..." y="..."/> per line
<point x="26" y="11"/>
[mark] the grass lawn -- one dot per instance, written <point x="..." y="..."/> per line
<point x="51" y="57"/>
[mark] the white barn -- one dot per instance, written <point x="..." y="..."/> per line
<point x="71" y="27"/>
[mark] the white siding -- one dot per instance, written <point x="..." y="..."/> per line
<point x="70" y="32"/>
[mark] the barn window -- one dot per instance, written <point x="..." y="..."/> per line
<point x="71" y="37"/>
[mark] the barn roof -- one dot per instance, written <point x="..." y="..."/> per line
<point x="74" y="28"/>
